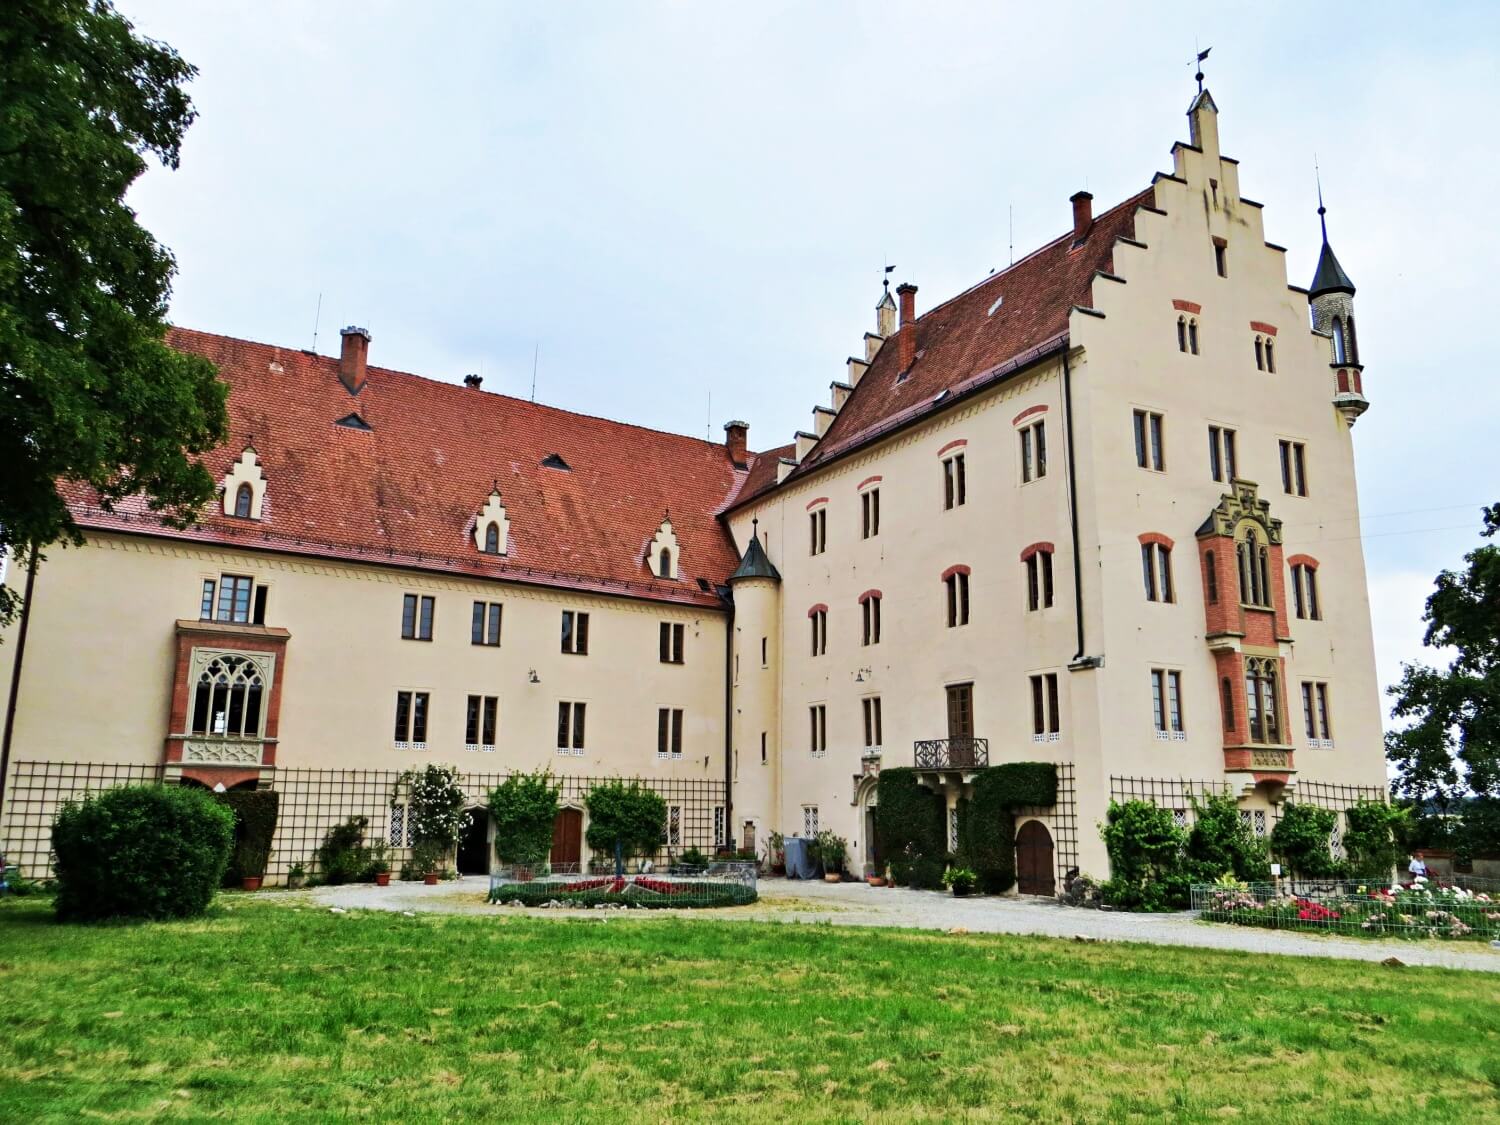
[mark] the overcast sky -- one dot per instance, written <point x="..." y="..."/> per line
<point x="678" y="201"/>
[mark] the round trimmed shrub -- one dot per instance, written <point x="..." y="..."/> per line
<point x="140" y="852"/>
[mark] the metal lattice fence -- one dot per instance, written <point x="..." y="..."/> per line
<point x="1469" y="911"/>
<point x="316" y="800"/>
<point x="1174" y="793"/>
<point x="1061" y="820"/>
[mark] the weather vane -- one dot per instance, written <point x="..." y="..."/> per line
<point x="887" y="281"/>
<point x="1203" y="54"/>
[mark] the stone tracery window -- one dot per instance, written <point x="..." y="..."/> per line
<point x="228" y="698"/>
<point x="1255" y="570"/>
<point x="1261" y="700"/>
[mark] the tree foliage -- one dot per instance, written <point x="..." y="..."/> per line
<point x="1453" y="740"/>
<point x="1303" y="839"/>
<point x="632" y="814"/>
<point x="1221" y="843"/>
<point x="524" y="807"/>
<point x="90" y="394"/>
<point x="1145" y="848"/>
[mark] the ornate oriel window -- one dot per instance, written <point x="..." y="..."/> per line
<point x="229" y="697"/>
<point x="1261" y="708"/>
<point x="1255" y="570"/>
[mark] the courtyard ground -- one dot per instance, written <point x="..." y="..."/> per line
<point x="275" y="1007"/>
<point x="857" y="904"/>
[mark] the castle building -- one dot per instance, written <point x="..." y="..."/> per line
<point x="1097" y="510"/>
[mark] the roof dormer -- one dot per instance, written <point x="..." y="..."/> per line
<point x="662" y="557"/>
<point x="492" y="527"/>
<point x="244" y="487"/>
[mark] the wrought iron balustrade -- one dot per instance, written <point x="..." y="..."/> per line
<point x="963" y="753"/>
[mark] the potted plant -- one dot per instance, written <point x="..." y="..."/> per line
<point x="296" y="876"/>
<point x="434" y="814"/>
<point x="427" y="858"/>
<point x="776" y="853"/>
<point x="961" y="881"/>
<point x="830" y="851"/>
<point x="251" y="882"/>
<point x="380" y="864"/>
<point x="875" y="879"/>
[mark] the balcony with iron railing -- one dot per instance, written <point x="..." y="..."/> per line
<point x="958" y="753"/>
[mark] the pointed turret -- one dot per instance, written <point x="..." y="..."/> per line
<point x="754" y="564"/>
<point x="1331" y="297"/>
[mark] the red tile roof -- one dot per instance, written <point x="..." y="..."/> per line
<point x="407" y="491"/>
<point x="967" y="342"/>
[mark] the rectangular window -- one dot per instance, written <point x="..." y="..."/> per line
<point x="818" y="621"/>
<point x="1156" y="571"/>
<point x="416" y="617"/>
<point x="1305" y="592"/>
<point x="809" y="821"/>
<point x="674" y="826"/>
<point x="484" y="627"/>
<point x="1166" y="702"/>
<point x="411" y="720"/>
<point x="570" y="728"/>
<point x="575" y="632"/>
<point x="872" y="620"/>
<point x="1046" y="723"/>
<point x="870" y="513"/>
<point x="818" y="522"/>
<point x="1294" y="468"/>
<point x="1039" y="580"/>
<point x="1221" y="257"/>
<point x="1033" y="451"/>
<point x="1149" y="451"/>
<point x="762" y="747"/>
<point x="234" y="599"/>
<point x="763" y="641"/>
<point x="1315" y="713"/>
<point x="259" y="616"/>
<point x="955" y="482"/>
<point x="206" y="605"/>
<point x="481" y="715"/>
<point x="960" y="710"/>
<point x="1221" y="454"/>
<point x="670" y="644"/>
<point x="873" y="737"/>
<point x="958" y="599"/>
<point x="817" y="716"/>
<point x="669" y="732"/>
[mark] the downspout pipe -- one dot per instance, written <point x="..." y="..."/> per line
<point x="15" y="675"/>
<point x="1073" y="505"/>
<point x="728" y="595"/>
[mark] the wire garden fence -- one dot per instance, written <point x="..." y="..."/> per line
<point x="565" y="887"/>
<point x="1468" y="910"/>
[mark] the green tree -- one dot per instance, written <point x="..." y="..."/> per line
<point x="632" y="814"/>
<point x="524" y="808"/>
<point x="1453" y="740"/>
<point x="91" y="397"/>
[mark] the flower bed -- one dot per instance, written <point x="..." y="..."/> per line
<point x="1419" y="911"/>
<point x="643" y="892"/>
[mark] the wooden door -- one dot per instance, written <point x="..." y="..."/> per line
<point x="960" y="725"/>
<point x="1034" y="875"/>
<point x="567" y="838"/>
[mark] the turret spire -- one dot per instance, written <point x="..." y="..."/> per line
<point x="1329" y="276"/>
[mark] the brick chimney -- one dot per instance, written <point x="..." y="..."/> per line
<point x="474" y="381"/>
<point x="1083" y="215"/>
<point x="352" y="358"/>
<point x="907" y="337"/>
<point x="736" y="433"/>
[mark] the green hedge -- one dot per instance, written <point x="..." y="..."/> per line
<point x="154" y="851"/>
<point x="254" y="827"/>
<point x="684" y="895"/>
<point x="909" y="827"/>
<point x="987" y="826"/>
<point x="1026" y="784"/>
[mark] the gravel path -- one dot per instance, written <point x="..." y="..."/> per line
<point x="856" y="904"/>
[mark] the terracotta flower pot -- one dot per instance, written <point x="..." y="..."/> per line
<point x="382" y="878"/>
<point x="834" y="878"/>
<point x="251" y="882"/>
<point x="431" y="878"/>
<point x="876" y="880"/>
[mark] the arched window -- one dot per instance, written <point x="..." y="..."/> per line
<point x="666" y="563"/>
<point x="1193" y="336"/>
<point x="1351" y="341"/>
<point x="1260" y="354"/>
<point x="1182" y="334"/>
<point x="1261" y="707"/>
<point x="1271" y="356"/>
<point x="1340" y="351"/>
<point x="227" y="698"/>
<point x="1226" y="701"/>
<point x="492" y="539"/>
<point x="1255" y="574"/>
<point x="1210" y="578"/>
<point x="242" y="497"/>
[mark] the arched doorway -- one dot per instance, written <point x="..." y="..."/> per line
<point x="567" y="839"/>
<point x="474" y="843"/>
<point x="1034" y="874"/>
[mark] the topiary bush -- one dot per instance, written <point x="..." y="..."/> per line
<point x="255" y="812"/>
<point x="1145" y="848"/>
<point x="140" y="852"/>
<point x="991" y="844"/>
<point x="1302" y="839"/>
<point x="631" y="814"/>
<point x="1025" y="784"/>
<point x="524" y="808"/>
<point x="1221" y="843"/>
<point x="909" y="828"/>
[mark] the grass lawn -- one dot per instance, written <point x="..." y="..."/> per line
<point x="263" y="1011"/>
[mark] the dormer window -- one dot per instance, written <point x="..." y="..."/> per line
<point x="663" y="554"/>
<point x="492" y="527"/>
<point x="244" y="487"/>
<point x="554" y="461"/>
